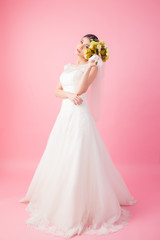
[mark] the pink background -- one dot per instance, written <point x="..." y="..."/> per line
<point x="38" y="38"/>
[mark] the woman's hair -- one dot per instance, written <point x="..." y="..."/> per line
<point x="92" y="37"/>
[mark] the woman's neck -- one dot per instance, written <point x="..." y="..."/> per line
<point x="80" y="60"/>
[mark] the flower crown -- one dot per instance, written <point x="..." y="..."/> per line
<point x="98" y="48"/>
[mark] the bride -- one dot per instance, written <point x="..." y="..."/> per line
<point x="76" y="188"/>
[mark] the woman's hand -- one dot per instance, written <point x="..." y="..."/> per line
<point x="91" y="64"/>
<point x="74" y="98"/>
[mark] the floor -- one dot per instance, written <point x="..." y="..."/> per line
<point x="143" y="182"/>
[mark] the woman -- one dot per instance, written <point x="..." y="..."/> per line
<point x="76" y="188"/>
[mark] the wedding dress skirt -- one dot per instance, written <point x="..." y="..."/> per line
<point x="76" y="188"/>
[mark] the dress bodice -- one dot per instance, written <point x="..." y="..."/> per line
<point x="71" y="76"/>
<point x="69" y="80"/>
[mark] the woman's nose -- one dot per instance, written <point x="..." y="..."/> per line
<point x="81" y="47"/>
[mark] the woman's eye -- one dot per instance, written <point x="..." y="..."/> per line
<point x="86" y="46"/>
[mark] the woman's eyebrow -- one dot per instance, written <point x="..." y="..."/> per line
<point x="85" y="43"/>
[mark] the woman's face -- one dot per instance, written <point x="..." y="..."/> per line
<point x="81" y="46"/>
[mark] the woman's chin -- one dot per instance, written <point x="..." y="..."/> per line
<point x="78" y="54"/>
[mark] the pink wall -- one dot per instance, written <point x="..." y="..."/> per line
<point x="39" y="37"/>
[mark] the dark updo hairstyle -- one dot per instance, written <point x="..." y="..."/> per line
<point x="92" y="37"/>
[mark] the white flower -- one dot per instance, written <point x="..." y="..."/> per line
<point x="99" y="47"/>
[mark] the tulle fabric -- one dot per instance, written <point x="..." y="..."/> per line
<point x="94" y="94"/>
<point x="76" y="188"/>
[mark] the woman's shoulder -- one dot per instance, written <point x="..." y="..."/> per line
<point x="66" y="66"/>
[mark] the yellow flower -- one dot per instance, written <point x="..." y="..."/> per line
<point x="102" y="42"/>
<point x="92" y="43"/>
<point x="107" y="51"/>
<point x="103" y="51"/>
<point x="98" y="46"/>
<point x="87" y="53"/>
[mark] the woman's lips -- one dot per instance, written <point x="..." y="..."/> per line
<point x="78" y="50"/>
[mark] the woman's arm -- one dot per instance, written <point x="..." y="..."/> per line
<point x="59" y="92"/>
<point x="87" y="78"/>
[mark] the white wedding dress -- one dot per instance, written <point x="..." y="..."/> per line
<point x="76" y="188"/>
